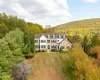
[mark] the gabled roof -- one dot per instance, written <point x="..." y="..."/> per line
<point x="46" y="35"/>
<point x="66" y="40"/>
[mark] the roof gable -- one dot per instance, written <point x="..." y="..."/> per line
<point x="66" y="41"/>
<point x="43" y="37"/>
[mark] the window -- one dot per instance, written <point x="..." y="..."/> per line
<point x="36" y="41"/>
<point x="48" y="41"/>
<point x="51" y="36"/>
<point x="48" y="46"/>
<point x="68" y="47"/>
<point x="36" y="46"/>
<point x="63" y="47"/>
<point x="57" y="36"/>
<point x="62" y="36"/>
<point x="48" y="36"/>
<point x="53" y="41"/>
<point x="43" y="46"/>
<point x="43" y="41"/>
<point x="53" y="47"/>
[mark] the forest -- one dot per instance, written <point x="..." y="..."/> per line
<point x="81" y="27"/>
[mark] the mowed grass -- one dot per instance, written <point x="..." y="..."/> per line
<point x="48" y="66"/>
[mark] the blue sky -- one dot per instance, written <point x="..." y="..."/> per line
<point x="83" y="9"/>
<point x="51" y="12"/>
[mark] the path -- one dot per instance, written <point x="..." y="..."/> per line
<point x="47" y="67"/>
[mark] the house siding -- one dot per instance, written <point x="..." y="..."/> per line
<point x="65" y="44"/>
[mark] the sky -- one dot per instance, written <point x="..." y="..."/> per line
<point x="51" y="12"/>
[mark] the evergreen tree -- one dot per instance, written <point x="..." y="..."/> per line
<point x="95" y="40"/>
<point x="85" y="44"/>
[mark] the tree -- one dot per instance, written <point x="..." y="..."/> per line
<point x="3" y="30"/>
<point x="32" y="29"/>
<point x="29" y="44"/>
<point x="95" y="40"/>
<point x="85" y="41"/>
<point x="8" y="23"/>
<point x="11" y="51"/>
<point x="76" y="38"/>
<point x="86" y="45"/>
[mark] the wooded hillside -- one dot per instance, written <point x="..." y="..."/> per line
<point x="82" y="27"/>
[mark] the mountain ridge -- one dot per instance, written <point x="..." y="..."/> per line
<point x="81" y="27"/>
<point x="80" y="23"/>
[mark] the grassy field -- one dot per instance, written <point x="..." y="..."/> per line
<point x="48" y="66"/>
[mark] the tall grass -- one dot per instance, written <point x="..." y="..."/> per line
<point x="78" y="66"/>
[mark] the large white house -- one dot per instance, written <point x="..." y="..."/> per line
<point x="51" y="41"/>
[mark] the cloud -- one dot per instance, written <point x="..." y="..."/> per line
<point x="45" y="12"/>
<point x="91" y="1"/>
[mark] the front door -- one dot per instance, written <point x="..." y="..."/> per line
<point x="58" y="47"/>
<point x="48" y="46"/>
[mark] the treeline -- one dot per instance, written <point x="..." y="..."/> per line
<point x="89" y="23"/>
<point x="8" y="23"/>
<point x="16" y="44"/>
<point x="82" y="27"/>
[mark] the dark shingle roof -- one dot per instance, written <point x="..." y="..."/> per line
<point x="46" y="35"/>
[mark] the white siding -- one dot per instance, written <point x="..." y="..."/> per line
<point x="43" y="38"/>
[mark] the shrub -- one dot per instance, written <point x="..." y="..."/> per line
<point x="54" y="50"/>
<point x="95" y="52"/>
<point x="29" y="55"/>
<point x="76" y="38"/>
<point x="61" y="50"/>
<point x="21" y="71"/>
<point x="42" y="50"/>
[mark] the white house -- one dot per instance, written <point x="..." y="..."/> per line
<point x="51" y="41"/>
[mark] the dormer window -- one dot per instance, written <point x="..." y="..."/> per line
<point x="53" y="36"/>
<point x="59" y="36"/>
<point x="62" y="36"/>
<point x="48" y="36"/>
